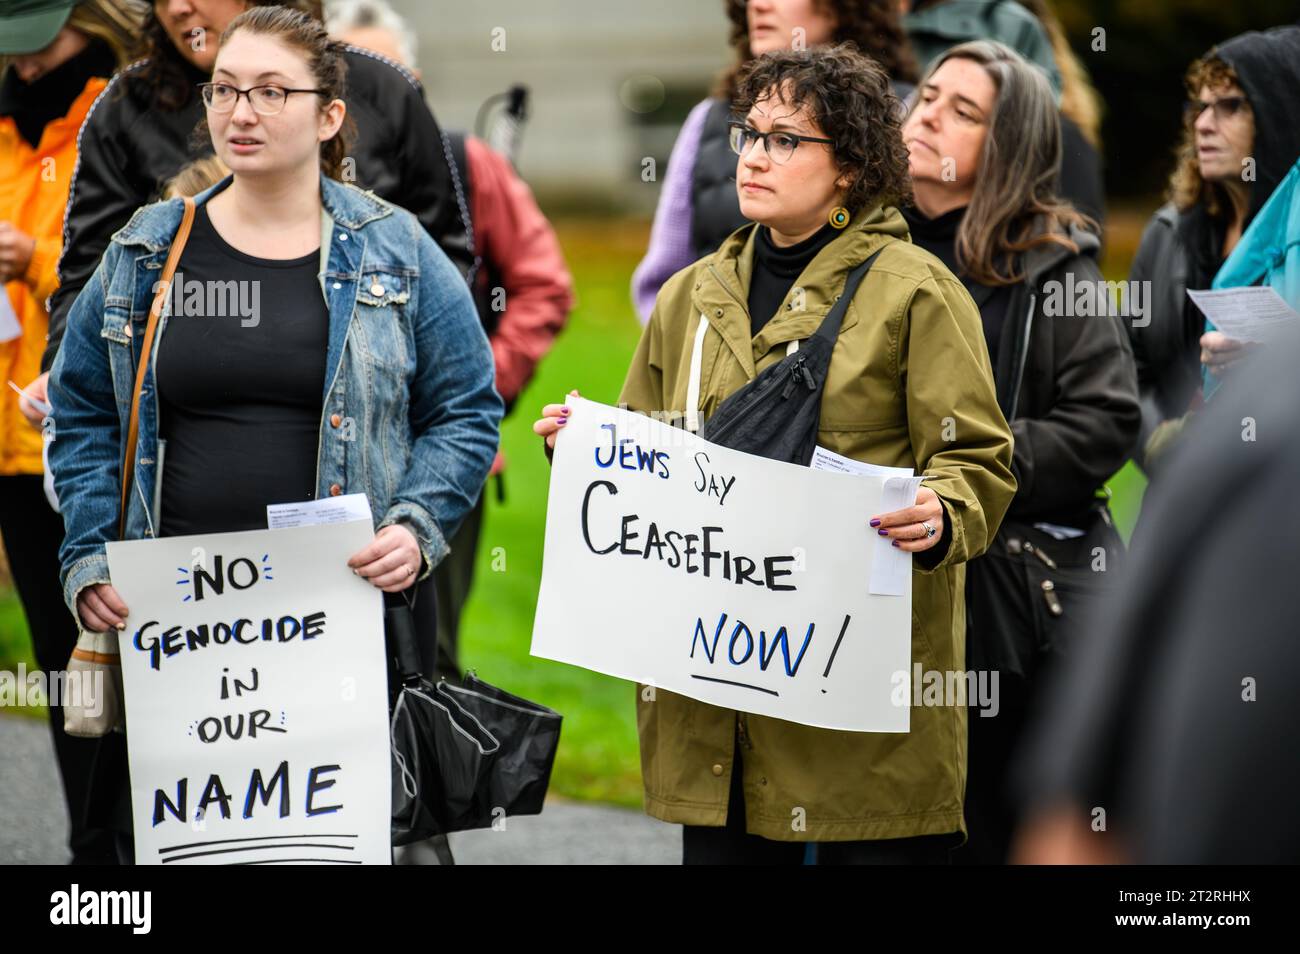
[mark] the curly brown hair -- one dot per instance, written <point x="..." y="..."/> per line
<point x="166" y="72"/>
<point x="852" y="102"/>
<point x="1186" y="187"/>
<point x="874" y="26"/>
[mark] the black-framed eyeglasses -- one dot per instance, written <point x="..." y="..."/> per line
<point x="780" y="146"/>
<point x="267" y="99"/>
<point x="1224" y="107"/>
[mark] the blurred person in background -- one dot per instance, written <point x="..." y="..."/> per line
<point x="1065" y="383"/>
<point x="697" y="206"/>
<point x="522" y="287"/>
<point x="1241" y="135"/>
<point x="55" y="59"/>
<point x="141" y="130"/>
<point x="1032" y="30"/>
<point x="1172" y="736"/>
<point x="821" y="171"/>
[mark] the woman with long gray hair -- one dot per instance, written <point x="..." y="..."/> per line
<point x="984" y="146"/>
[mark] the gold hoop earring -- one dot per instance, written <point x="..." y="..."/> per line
<point x="839" y="217"/>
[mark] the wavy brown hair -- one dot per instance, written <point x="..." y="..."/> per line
<point x="165" y="71"/>
<point x="1015" y="206"/>
<point x="873" y="26"/>
<point x="1186" y="186"/>
<point x="850" y="98"/>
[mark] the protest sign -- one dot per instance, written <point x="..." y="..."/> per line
<point x="256" y="698"/>
<point x="729" y="578"/>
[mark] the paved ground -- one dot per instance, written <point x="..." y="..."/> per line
<point x="35" y="828"/>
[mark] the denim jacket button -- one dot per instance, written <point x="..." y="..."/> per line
<point x="335" y="420"/>
<point x="342" y="237"/>
<point x="335" y="490"/>
<point x="337" y="286"/>
<point x="377" y="289"/>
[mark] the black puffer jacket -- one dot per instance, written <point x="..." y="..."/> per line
<point x="129" y="147"/>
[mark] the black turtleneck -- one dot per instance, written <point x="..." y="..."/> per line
<point x="775" y="271"/>
<point x="33" y="106"/>
<point x="938" y="236"/>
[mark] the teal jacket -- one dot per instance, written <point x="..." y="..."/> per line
<point x="1268" y="253"/>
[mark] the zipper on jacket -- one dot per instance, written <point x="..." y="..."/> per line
<point x="742" y="731"/>
<point x="1022" y="360"/>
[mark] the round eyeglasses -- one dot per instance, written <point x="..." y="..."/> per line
<point x="780" y="146"/>
<point x="266" y="100"/>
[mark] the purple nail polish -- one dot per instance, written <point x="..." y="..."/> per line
<point x="883" y="533"/>
<point x="893" y="543"/>
<point x="563" y="421"/>
<point x="564" y="410"/>
<point x="875" y="523"/>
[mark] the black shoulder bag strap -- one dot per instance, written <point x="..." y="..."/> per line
<point x="776" y="414"/>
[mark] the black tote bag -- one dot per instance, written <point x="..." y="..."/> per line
<point x="462" y="756"/>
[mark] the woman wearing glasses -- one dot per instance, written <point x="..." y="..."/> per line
<point x="1241" y="134"/>
<point x="697" y="206"/>
<point x="354" y="366"/>
<point x="821" y="169"/>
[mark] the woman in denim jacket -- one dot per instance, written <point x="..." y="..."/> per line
<point x="360" y="367"/>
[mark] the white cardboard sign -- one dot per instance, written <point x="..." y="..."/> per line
<point x="256" y="698"/>
<point x="733" y="579"/>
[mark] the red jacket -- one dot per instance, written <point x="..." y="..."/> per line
<point x="520" y="249"/>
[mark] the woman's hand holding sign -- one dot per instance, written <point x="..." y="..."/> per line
<point x="392" y="561"/>
<point x="554" y="416"/>
<point x="907" y="527"/>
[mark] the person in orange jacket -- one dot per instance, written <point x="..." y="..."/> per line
<point x="522" y="286"/>
<point x="59" y="54"/>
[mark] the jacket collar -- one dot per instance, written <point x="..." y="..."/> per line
<point x="154" y="226"/>
<point x="721" y="290"/>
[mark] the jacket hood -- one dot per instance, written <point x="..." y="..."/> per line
<point x="1042" y="259"/>
<point x="1267" y="65"/>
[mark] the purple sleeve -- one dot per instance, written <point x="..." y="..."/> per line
<point x="670" y="236"/>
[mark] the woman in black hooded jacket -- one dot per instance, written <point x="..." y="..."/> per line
<point x="1241" y="136"/>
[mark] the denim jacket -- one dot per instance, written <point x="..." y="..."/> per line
<point x="409" y="413"/>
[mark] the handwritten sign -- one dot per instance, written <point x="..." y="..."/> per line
<point x="255" y="683"/>
<point x="729" y="578"/>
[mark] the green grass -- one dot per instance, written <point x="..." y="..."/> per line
<point x="598" y="747"/>
<point x="598" y="750"/>
<point x="15" y="641"/>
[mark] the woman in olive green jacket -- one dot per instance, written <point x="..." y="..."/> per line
<point x="821" y="167"/>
